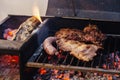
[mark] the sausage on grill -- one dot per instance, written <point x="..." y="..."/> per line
<point x="48" y="47"/>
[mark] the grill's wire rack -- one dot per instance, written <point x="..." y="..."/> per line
<point x="68" y="62"/>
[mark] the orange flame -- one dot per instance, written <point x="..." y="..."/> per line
<point x="36" y="13"/>
<point x="42" y="71"/>
<point x="9" y="33"/>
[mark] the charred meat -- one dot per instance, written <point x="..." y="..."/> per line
<point x="82" y="44"/>
<point x="70" y="34"/>
<point x="90" y="34"/>
<point x="93" y="35"/>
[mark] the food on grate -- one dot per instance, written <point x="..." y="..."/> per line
<point x="81" y="44"/>
<point x="70" y="34"/>
<point x="93" y="35"/>
<point x="78" y="49"/>
<point x="90" y="34"/>
<point x="48" y="47"/>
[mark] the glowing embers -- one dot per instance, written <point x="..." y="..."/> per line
<point x="9" y="67"/>
<point x="22" y="31"/>
<point x="112" y="61"/>
<point x="9" y="33"/>
<point x="54" y="74"/>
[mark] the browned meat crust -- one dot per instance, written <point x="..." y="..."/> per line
<point x="93" y="35"/>
<point x="81" y="44"/>
<point x="78" y="49"/>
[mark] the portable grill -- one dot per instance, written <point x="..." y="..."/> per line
<point x="67" y="61"/>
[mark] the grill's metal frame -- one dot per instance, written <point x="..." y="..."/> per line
<point x="31" y="62"/>
<point x="11" y="46"/>
<point x="75" y="68"/>
<point x="17" y="47"/>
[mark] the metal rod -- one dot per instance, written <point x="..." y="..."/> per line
<point x="65" y="58"/>
<point x="58" y="60"/>
<point x="44" y="59"/>
<point x="78" y="62"/>
<point x="108" y="51"/>
<point x="100" y="59"/>
<point x="73" y="8"/>
<point x="115" y="46"/>
<point x="84" y="64"/>
<point x="36" y="54"/>
<point x="39" y="57"/>
<point x="113" y="35"/>
<point x="64" y="67"/>
<point x="71" y="60"/>
<point x="92" y="63"/>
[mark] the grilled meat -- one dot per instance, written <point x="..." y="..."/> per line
<point x="70" y="34"/>
<point x="48" y="47"/>
<point x="78" y="49"/>
<point x="93" y="35"/>
<point x="81" y="44"/>
<point x="90" y="34"/>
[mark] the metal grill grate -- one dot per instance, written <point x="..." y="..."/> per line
<point x="65" y="61"/>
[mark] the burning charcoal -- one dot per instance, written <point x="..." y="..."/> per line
<point x="112" y="61"/>
<point x="42" y="71"/>
<point x="54" y="74"/>
<point x="66" y="76"/>
<point x="87" y="76"/>
<point x="8" y="33"/>
<point x="77" y="75"/>
<point x="9" y="68"/>
<point x="75" y="78"/>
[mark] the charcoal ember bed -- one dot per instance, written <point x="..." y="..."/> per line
<point x="107" y="60"/>
<point x="9" y="67"/>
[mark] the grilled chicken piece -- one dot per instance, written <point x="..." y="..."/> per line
<point x="78" y="49"/>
